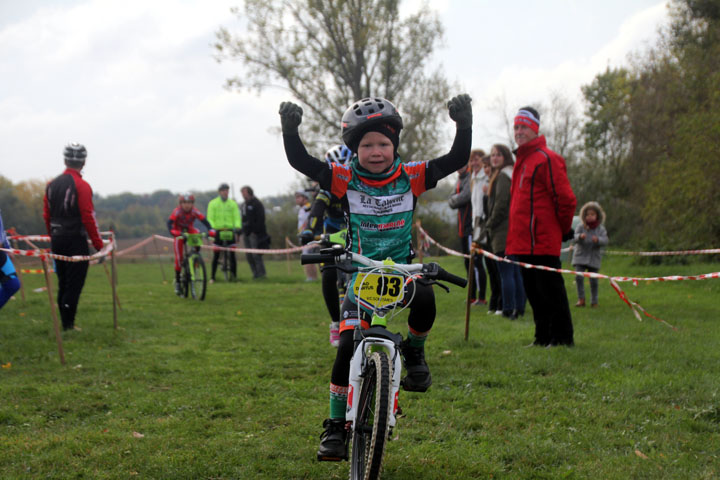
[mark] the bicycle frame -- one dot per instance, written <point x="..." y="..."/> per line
<point x="193" y="242"/>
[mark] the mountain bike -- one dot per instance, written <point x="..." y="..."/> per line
<point x="193" y="277"/>
<point x="375" y="367"/>
<point x="227" y="239"/>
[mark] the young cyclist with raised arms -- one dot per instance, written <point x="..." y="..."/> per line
<point x="182" y="219"/>
<point x="379" y="194"/>
<point x="327" y="216"/>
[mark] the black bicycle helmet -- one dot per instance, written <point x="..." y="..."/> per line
<point x="366" y="113"/>
<point x="223" y="186"/>
<point x="75" y="155"/>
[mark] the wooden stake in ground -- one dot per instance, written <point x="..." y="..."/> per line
<point x="471" y="288"/>
<point x="113" y="281"/>
<point x="56" y="325"/>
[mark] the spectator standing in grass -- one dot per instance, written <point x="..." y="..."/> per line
<point x="478" y="180"/>
<point x="70" y="220"/>
<point x="480" y="238"/>
<point x="542" y="205"/>
<point x="461" y="201"/>
<point x="223" y="213"/>
<point x="496" y="226"/>
<point x="253" y="230"/>
<point x="590" y="238"/>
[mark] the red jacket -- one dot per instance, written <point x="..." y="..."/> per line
<point x="68" y="201"/>
<point x="542" y="202"/>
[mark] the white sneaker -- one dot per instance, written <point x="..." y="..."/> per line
<point x="334" y="334"/>
<point x="498" y="312"/>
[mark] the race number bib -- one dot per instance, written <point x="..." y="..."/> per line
<point x="379" y="290"/>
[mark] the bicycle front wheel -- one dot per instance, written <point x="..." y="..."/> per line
<point x="373" y="419"/>
<point x="198" y="283"/>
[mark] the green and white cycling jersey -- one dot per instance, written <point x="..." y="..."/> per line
<point x="380" y="209"/>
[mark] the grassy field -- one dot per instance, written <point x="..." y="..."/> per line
<point x="237" y="386"/>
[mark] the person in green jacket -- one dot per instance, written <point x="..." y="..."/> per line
<point x="224" y="216"/>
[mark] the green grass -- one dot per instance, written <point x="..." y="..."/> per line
<point x="237" y="386"/>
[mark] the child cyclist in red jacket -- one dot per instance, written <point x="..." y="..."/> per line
<point x="182" y="219"/>
<point x="379" y="194"/>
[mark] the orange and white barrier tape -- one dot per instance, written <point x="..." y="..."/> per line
<point x="44" y="254"/>
<point x="614" y="280"/>
<point x="707" y="251"/>
<point x="261" y="251"/>
<point x="35" y="270"/>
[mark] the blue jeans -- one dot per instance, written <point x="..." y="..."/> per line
<point x="513" y="292"/>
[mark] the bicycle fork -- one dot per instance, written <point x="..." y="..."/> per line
<point x="357" y="367"/>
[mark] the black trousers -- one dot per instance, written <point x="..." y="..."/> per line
<point x="216" y="257"/>
<point x="71" y="275"/>
<point x="495" y="302"/>
<point x="548" y="298"/>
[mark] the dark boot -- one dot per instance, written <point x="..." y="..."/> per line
<point x="333" y="441"/>
<point x="418" y="374"/>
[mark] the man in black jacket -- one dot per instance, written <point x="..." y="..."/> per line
<point x="253" y="230"/>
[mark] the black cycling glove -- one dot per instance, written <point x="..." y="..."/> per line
<point x="290" y="117"/>
<point x="460" y="110"/>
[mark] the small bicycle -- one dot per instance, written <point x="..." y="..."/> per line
<point x="375" y="367"/>
<point x="193" y="277"/>
<point x="227" y="240"/>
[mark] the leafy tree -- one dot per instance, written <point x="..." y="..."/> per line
<point x="329" y="53"/>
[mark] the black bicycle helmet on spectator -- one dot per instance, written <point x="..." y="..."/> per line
<point x="186" y="197"/>
<point x="365" y="114"/>
<point x="75" y="155"/>
<point x="223" y="186"/>
<point x="339" y="154"/>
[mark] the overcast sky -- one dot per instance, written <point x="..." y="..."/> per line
<point x="136" y="82"/>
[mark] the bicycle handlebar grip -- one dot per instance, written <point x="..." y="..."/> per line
<point x="308" y="258"/>
<point x="449" y="277"/>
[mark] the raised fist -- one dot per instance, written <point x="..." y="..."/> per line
<point x="290" y="117"/>
<point x="460" y="110"/>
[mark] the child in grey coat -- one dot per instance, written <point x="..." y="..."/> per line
<point x="590" y="238"/>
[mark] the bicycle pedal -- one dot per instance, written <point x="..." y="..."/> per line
<point x="325" y="458"/>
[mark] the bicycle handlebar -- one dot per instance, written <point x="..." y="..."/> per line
<point x="333" y="255"/>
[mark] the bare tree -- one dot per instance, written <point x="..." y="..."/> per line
<point x="329" y="53"/>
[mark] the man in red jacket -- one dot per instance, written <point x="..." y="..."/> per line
<point x="542" y="205"/>
<point x="70" y="219"/>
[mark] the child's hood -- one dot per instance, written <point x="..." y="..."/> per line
<point x="594" y="206"/>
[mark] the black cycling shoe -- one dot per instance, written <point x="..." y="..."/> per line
<point x="418" y="374"/>
<point x="333" y="441"/>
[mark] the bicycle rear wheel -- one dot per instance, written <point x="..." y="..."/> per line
<point x="372" y="423"/>
<point x="198" y="283"/>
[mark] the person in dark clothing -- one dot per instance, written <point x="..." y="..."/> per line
<point x="70" y="219"/>
<point x="462" y="201"/>
<point x="327" y="216"/>
<point x="542" y="205"/>
<point x="253" y="230"/>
